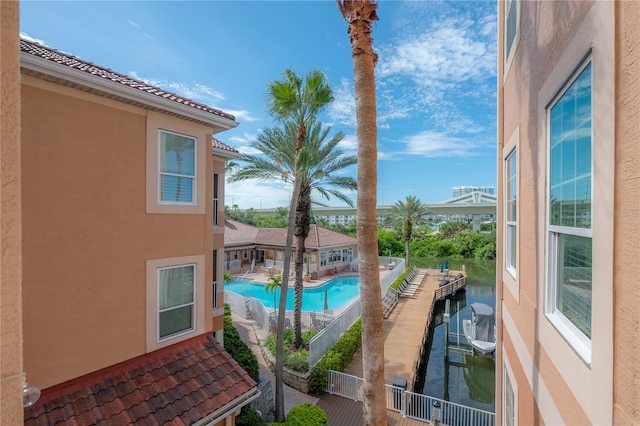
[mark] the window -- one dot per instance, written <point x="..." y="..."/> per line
<point x="215" y="199"/>
<point x="569" y="118"/>
<point x="512" y="29"/>
<point x="214" y="302"/>
<point x="177" y="168"/>
<point x="508" y="405"/>
<point x="176" y="300"/>
<point x="323" y="258"/>
<point x="511" y="198"/>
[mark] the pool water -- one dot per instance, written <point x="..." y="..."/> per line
<point x="340" y="291"/>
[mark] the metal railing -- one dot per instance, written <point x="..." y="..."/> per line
<point x="327" y="337"/>
<point x="412" y="405"/>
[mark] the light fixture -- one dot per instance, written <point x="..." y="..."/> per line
<point x="30" y="395"/>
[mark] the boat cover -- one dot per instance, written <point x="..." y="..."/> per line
<point x="485" y="322"/>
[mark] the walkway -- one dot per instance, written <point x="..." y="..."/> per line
<point x="403" y="333"/>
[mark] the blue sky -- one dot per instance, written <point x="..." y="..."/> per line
<point x="435" y="77"/>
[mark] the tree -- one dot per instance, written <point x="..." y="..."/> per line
<point x="272" y="285"/>
<point x="295" y="104"/>
<point x="408" y="213"/>
<point x="360" y="15"/>
<point x="319" y="165"/>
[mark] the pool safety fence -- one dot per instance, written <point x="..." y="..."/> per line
<point x="411" y="405"/>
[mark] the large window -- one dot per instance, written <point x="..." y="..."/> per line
<point x="569" y="199"/>
<point x="511" y="185"/>
<point x="215" y="199"/>
<point x="176" y="300"/>
<point x="177" y="168"/>
<point x="512" y="27"/>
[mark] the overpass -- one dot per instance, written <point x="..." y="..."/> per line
<point x="473" y="204"/>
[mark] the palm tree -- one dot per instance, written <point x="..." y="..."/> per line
<point x="408" y="213"/>
<point x="360" y="14"/>
<point x="272" y="285"/>
<point x="320" y="161"/>
<point x="294" y="102"/>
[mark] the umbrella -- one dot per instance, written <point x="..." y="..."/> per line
<point x="446" y="264"/>
<point x="326" y="299"/>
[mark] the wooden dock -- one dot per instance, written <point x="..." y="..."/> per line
<point x="407" y="327"/>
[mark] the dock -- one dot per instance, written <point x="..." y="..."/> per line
<point x="407" y="327"/>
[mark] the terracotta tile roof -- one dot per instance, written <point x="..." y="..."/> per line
<point x="178" y="385"/>
<point x="237" y="233"/>
<point x="76" y="63"/>
<point x="223" y="146"/>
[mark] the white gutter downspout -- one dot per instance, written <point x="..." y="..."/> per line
<point x="229" y="409"/>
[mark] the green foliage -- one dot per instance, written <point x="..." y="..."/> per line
<point x="396" y="284"/>
<point x="294" y="359"/>
<point x="337" y="358"/>
<point x="306" y="415"/>
<point x="238" y="349"/>
<point x="249" y="417"/>
<point x="389" y="240"/>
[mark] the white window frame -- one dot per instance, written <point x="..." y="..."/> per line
<point x="576" y="338"/>
<point x="508" y="379"/>
<point x="194" y="177"/>
<point x="216" y="190"/>
<point x="511" y="226"/>
<point x="192" y="303"/>
<point x="508" y="58"/>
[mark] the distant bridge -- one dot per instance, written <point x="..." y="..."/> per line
<point x="473" y="204"/>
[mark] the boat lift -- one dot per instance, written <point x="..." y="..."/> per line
<point x="457" y="345"/>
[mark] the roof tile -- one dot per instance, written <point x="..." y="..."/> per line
<point x="173" y="385"/>
<point x="53" y="55"/>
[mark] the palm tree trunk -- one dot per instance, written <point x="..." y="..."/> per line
<point x="301" y="232"/>
<point x="360" y="14"/>
<point x="282" y="309"/>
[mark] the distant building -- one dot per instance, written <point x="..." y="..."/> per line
<point x="457" y="191"/>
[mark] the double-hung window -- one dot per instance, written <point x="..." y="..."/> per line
<point x="511" y="213"/>
<point x="177" y="168"/>
<point x="512" y="29"/>
<point x="215" y="198"/>
<point x="569" y="120"/>
<point x="176" y="300"/>
<point x="509" y="402"/>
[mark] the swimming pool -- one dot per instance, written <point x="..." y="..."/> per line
<point x="340" y="291"/>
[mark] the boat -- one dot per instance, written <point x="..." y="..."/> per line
<point x="480" y="330"/>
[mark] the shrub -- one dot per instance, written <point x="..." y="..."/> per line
<point x="306" y="415"/>
<point x="337" y="358"/>
<point x="249" y="417"/>
<point x="396" y="284"/>
<point x="238" y="349"/>
<point x="297" y="361"/>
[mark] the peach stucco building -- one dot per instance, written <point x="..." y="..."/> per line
<point x="569" y="213"/>
<point x="114" y="241"/>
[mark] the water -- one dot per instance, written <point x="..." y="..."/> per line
<point x="339" y="292"/>
<point x="464" y="379"/>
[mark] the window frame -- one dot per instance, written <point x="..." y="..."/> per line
<point x="507" y="377"/>
<point x="511" y="49"/>
<point x="576" y="337"/>
<point x="511" y="226"/>
<point x="192" y="328"/>
<point x="216" y="200"/>
<point x="194" y="177"/>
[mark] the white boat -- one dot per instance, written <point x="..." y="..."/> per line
<point x="480" y="330"/>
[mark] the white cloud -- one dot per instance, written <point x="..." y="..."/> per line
<point x="433" y="144"/>
<point x="349" y="144"/>
<point x="133" y="23"/>
<point x="240" y="114"/>
<point x="257" y="194"/>
<point x="343" y="108"/>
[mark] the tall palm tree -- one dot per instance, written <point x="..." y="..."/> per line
<point x="320" y="161"/>
<point x="296" y="102"/>
<point x="360" y="15"/>
<point x="409" y="213"/>
<point x="273" y="283"/>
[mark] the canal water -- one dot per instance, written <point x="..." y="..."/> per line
<point x="465" y="379"/>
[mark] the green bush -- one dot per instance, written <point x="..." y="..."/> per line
<point x="396" y="284"/>
<point x="306" y="415"/>
<point x="337" y="358"/>
<point x="249" y="417"/>
<point x="297" y="361"/>
<point x="238" y="349"/>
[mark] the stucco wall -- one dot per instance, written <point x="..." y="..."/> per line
<point x="10" y="227"/>
<point x="627" y="217"/>
<point x="86" y="232"/>
<point x="554" y="384"/>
